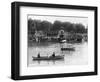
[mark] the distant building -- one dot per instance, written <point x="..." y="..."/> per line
<point x="61" y="34"/>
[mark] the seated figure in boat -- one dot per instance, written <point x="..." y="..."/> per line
<point x="38" y="55"/>
<point x="53" y="55"/>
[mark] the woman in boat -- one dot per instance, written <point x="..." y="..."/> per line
<point x="53" y="55"/>
<point x="38" y="55"/>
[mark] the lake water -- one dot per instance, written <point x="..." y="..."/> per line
<point x="77" y="57"/>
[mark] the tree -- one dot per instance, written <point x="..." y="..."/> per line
<point x="79" y="28"/>
<point x="56" y="25"/>
<point x="46" y="26"/>
<point x="30" y="26"/>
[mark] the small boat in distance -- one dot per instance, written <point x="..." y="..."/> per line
<point x="69" y="49"/>
<point x="53" y="57"/>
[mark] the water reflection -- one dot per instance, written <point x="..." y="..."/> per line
<point x="39" y="62"/>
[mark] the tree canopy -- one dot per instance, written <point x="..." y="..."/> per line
<point x="47" y="26"/>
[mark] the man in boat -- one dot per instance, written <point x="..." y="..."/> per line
<point x="38" y="55"/>
<point x="53" y="55"/>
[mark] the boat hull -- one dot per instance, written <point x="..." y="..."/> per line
<point x="68" y="49"/>
<point x="49" y="58"/>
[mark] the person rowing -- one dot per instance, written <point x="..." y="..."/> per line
<point x="38" y="55"/>
<point x="53" y="55"/>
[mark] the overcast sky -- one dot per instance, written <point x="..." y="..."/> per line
<point x="73" y="19"/>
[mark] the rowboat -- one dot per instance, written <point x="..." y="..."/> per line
<point x="69" y="49"/>
<point x="58" y="57"/>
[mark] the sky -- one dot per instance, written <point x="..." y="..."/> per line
<point x="52" y="18"/>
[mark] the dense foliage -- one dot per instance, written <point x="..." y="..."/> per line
<point x="47" y="26"/>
